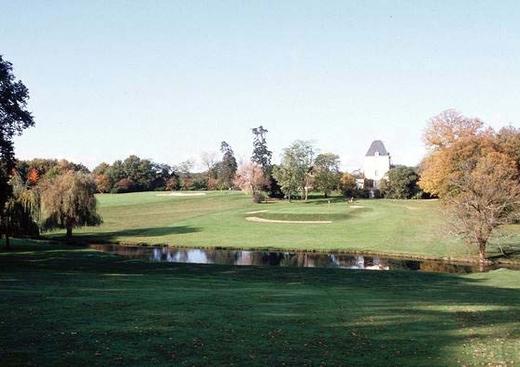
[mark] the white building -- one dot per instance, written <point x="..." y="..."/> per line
<point x="377" y="162"/>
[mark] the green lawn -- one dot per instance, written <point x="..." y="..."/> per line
<point x="401" y="227"/>
<point x="63" y="306"/>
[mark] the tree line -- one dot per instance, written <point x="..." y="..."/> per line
<point x="473" y="170"/>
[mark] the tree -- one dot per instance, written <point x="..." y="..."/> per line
<point x="22" y="209"/>
<point x="250" y="178"/>
<point x="162" y="173"/>
<point x="455" y="141"/>
<point x="14" y="118"/>
<point x="261" y="155"/>
<point x="450" y="126"/>
<point x="209" y="160"/>
<point x="348" y="185"/>
<point x="292" y="172"/>
<point x="508" y="140"/>
<point x="139" y="171"/>
<point x="184" y="169"/>
<point x="102" y="178"/>
<point x="474" y="172"/>
<point x="486" y="195"/>
<point x="103" y="183"/>
<point x="326" y="172"/>
<point x="401" y="183"/>
<point x="228" y="166"/>
<point x="68" y="201"/>
<point x="124" y="185"/>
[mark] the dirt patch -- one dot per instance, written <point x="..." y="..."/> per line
<point x="263" y="220"/>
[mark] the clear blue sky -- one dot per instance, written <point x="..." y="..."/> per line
<point x="167" y="80"/>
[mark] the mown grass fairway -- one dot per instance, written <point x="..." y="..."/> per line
<point x="404" y="227"/>
<point x="64" y="306"/>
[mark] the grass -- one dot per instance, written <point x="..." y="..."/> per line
<point x="413" y="228"/>
<point x="64" y="305"/>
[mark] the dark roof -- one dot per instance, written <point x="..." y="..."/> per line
<point x="376" y="146"/>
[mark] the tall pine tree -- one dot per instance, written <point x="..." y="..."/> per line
<point x="228" y="166"/>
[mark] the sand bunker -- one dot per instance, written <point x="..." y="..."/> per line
<point x="257" y="211"/>
<point x="262" y="220"/>
<point x="183" y="194"/>
<point x="356" y="206"/>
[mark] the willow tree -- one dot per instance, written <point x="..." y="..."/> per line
<point x="21" y="210"/>
<point x="68" y="201"/>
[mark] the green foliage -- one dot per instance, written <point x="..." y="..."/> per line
<point x="347" y="185"/>
<point x="296" y="163"/>
<point x="401" y="183"/>
<point x="326" y="173"/>
<point x="228" y="167"/>
<point x="22" y="209"/>
<point x="134" y="174"/>
<point x="14" y="118"/>
<point x="261" y="155"/>
<point x="68" y="201"/>
<point x="259" y="197"/>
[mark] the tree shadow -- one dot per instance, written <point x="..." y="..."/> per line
<point x="115" y="236"/>
<point x="300" y="316"/>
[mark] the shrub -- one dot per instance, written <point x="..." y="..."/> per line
<point x="123" y="185"/>
<point x="259" y="197"/>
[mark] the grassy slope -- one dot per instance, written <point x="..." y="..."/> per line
<point x="65" y="306"/>
<point x="385" y="226"/>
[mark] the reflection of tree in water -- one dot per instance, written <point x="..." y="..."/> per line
<point x="285" y="259"/>
<point x="360" y="262"/>
<point x="440" y="267"/>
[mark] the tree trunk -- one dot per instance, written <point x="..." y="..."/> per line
<point x="7" y="241"/>
<point x="69" y="233"/>
<point x="482" y="252"/>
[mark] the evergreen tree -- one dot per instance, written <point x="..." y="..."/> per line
<point x="228" y="166"/>
<point x="261" y="155"/>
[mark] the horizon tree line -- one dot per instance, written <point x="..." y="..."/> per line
<point x="473" y="169"/>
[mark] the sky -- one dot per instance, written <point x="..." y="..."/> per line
<point x="168" y="80"/>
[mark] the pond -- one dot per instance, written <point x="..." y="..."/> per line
<point x="282" y="259"/>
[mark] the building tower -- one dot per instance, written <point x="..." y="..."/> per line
<point x="377" y="162"/>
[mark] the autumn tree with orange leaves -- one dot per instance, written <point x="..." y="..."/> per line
<point x="475" y="172"/>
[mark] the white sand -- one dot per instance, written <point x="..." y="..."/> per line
<point x="356" y="206"/>
<point x="262" y="220"/>
<point x="257" y="211"/>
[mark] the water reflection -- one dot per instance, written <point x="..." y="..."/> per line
<point x="283" y="259"/>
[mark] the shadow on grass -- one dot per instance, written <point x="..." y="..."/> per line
<point x="115" y="236"/>
<point x="183" y="314"/>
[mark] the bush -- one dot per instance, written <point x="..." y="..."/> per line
<point x="123" y="185"/>
<point x="259" y="197"/>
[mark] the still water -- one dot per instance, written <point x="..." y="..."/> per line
<point x="283" y="259"/>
